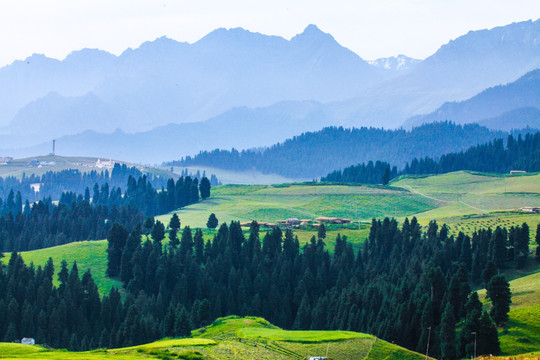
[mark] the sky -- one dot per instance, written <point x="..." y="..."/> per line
<point x="372" y="29"/>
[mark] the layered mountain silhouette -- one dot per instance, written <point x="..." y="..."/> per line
<point x="235" y="88"/>
<point x="516" y="104"/>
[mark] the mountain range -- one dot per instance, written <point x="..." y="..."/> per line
<point x="519" y="100"/>
<point x="234" y="88"/>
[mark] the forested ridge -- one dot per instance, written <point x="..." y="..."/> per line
<point x="314" y="154"/>
<point x="402" y="284"/>
<point x="521" y="153"/>
<point x="79" y="217"/>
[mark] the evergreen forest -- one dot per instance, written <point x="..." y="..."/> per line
<point x="405" y="285"/>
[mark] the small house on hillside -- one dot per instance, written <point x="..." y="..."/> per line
<point x="318" y="358"/>
<point x="531" y="209"/>
<point x="332" y="220"/>
<point x="28" y="341"/>
<point x="293" y="221"/>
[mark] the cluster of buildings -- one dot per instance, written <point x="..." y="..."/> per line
<point x="295" y="223"/>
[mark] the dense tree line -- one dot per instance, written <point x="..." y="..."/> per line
<point x="521" y="153"/>
<point x="54" y="183"/>
<point x="177" y="194"/>
<point x="313" y="154"/>
<point x="370" y="173"/>
<point x="79" y="217"/>
<point x="401" y="283"/>
<point x="73" y="316"/>
<point x="45" y="224"/>
<point x="213" y="178"/>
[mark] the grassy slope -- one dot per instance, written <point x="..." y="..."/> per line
<point x="522" y="332"/>
<point x="467" y="201"/>
<point x="235" y="338"/>
<point x="88" y="254"/>
<point x="272" y="203"/>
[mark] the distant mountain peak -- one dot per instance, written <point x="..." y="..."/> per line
<point x="400" y="62"/>
<point x="313" y="33"/>
<point x="222" y="36"/>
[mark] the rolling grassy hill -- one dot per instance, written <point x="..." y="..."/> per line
<point x="88" y="254"/>
<point x="463" y="200"/>
<point x="272" y="203"/>
<point x="235" y="338"/>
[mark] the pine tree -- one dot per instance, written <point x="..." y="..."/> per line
<point x="303" y="316"/>
<point x="521" y="247"/>
<point x="186" y="242"/>
<point x="487" y="337"/>
<point x="173" y="239"/>
<point x="489" y="272"/>
<point x="158" y="232"/>
<point x="116" y="241"/>
<point x="212" y="222"/>
<point x="498" y="290"/>
<point x="448" y="333"/>
<point x="11" y="333"/>
<point x="469" y="331"/>
<point x="174" y="223"/>
<point x="148" y="225"/>
<point x="198" y="241"/>
<point x="321" y="232"/>
<point x="181" y="325"/>
<point x="498" y="247"/>
<point x="386" y="176"/>
<point x="204" y="188"/>
<point x="538" y="242"/>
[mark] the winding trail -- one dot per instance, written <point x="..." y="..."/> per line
<point x="445" y="201"/>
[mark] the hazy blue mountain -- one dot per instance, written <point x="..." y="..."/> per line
<point x="240" y="127"/>
<point x="168" y="82"/>
<point x="514" y="119"/>
<point x="491" y="103"/>
<point x="165" y="81"/>
<point x="312" y="154"/>
<point x="458" y="70"/>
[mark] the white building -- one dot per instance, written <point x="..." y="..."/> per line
<point x="28" y="341"/>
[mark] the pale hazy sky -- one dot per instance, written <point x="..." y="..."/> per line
<point x="371" y="28"/>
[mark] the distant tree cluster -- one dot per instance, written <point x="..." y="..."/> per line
<point x="185" y="191"/>
<point x="45" y="224"/>
<point x="54" y="183"/>
<point x="370" y="173"/>
<point x="312" y="154"/>
<point x="522" y="153"/>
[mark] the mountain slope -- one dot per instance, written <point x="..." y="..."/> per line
<point x="490" y="103"/>
<point x="313" y="154"/>
<point x="165" y="81"/>
<point x="458" y="70"/>
<point x="239" y="127"/>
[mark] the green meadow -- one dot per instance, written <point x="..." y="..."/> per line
<point x="521" y="334"/>
<point x="88" y="254"/>
<point x="235" y="338"/>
